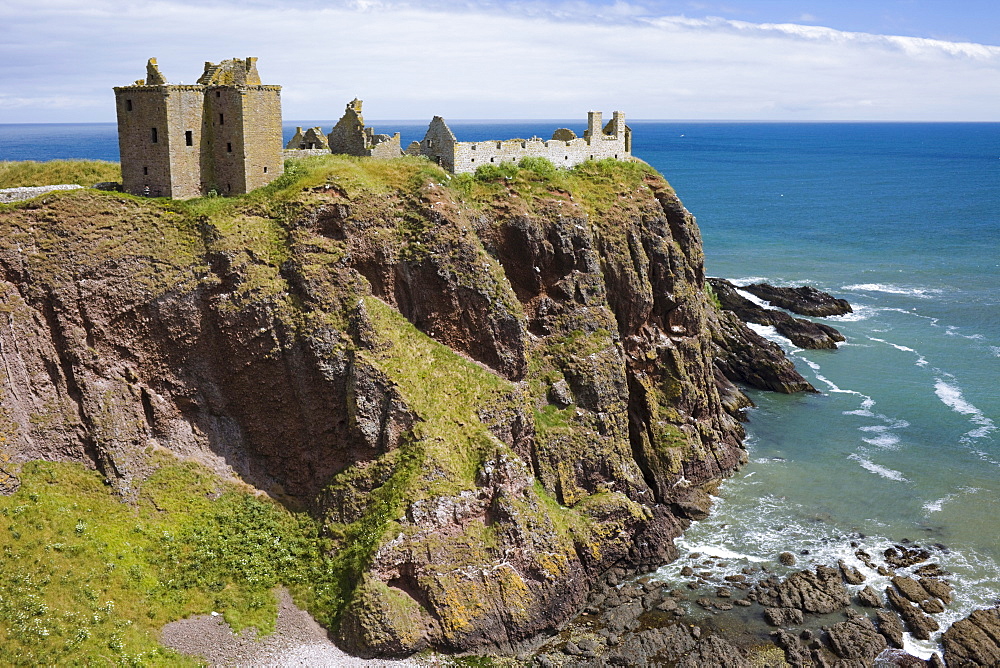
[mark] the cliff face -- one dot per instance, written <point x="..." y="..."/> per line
<point x="489" y="391"/>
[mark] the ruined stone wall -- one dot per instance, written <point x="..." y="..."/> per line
<point x="262" y="158"/>
<point x="184" y="131"/>
<point x="145" y="164"/>
<point x="611" y="141"/>
<point x="468" y="156"/>
<point x="303" y="152"/>
<point x="223" y="164"/>
<point x="384" y="146"/>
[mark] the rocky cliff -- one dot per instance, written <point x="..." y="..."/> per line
<point x="489" y="390"/>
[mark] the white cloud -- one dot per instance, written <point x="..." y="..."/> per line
<point x="514" y="60"/>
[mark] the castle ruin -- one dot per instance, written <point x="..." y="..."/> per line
<point x="223" y="134"/>
<point x="565" y="149"/>
<point x="220" y="134"/>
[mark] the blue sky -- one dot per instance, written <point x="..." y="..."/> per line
<point x="656" y="59"/>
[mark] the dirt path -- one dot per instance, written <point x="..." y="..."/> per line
<point x="297" y="641"/>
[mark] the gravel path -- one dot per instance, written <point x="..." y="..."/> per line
<point x="8" y="195"/>
<point x="297" y="641"/>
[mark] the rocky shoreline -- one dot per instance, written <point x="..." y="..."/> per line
<point x="707" y="614"/>
<point x="842" y="615"/>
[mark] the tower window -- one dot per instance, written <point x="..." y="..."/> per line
<point x="218" y="94"/>
<point x="153" y="136"/>
<point x="265" y="170"/>
<point x="229" y="148"/>
<point x="128" y="105"/>
<point x="222" y="119"/>
<point x="189" y="138"/>
<point x="145" y="171"/>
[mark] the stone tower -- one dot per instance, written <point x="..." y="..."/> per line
<point x="222" y="133"/>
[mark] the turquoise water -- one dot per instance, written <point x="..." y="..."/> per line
<point x="903" y="220"/>
<point x="902" y="444"/>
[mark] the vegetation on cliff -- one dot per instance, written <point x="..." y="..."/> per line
<point x="57" y="172"/>
<point x="483" y="391"/>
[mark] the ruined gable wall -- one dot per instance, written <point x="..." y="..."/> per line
<point x="348" y="135"/>
<point x="439" y="144"/>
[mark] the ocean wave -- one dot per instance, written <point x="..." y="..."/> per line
<point x="754" y="299"/>
<point x="921" y="360"/>
<point x="869" y="465"/>
<point x="995" y="350"/>
<point x="882" y="437"/>
<point x="889" y="288"/>
<point x="952" y="330"/>
<point x="951" y="396"/>
<point x="771" y="334"/>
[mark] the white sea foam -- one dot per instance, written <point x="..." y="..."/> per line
<point x="881" y="437"/>
<point x="995" y="350"/>
<point x="869" y="465"/>
<point x="889" y="288"/>
<point x="951" y="396"/>
<point x="921" y="360"/>
<point x="952" y="330"/>
<point x="753" y="298"/>
<point x="935" y="506"/>
<point x="771" y="334"/>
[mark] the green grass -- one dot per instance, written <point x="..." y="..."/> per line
<point x="85" y="578"/>
<point x="57" y="172"/>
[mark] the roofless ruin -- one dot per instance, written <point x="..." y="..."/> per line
<point x="223" y="135"/>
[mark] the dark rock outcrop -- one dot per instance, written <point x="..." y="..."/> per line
<point x="856" y="639"/>
<point x="973" y="641"/>
<point x="819" y="591"/>
<point x="803" y="333"/>
<point x="744" y="356"/>
<point x="805" y="300"/>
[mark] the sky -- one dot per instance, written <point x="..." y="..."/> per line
<point x="807" y="60"/>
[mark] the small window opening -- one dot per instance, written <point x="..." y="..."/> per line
<point x="145" y="171"/>
<point x="430" y="143"/>
<point x="153" y="136"/>
<point x="566" y="158"/>
<point x="222" y="119"/>
<point x="265" y="170"/>
<point x="128" y="105"/>
<point x="218" y="94"/>
<point x="473" y="160"/>
<point x="229" y="148"/>
<point x="189" y="137"/>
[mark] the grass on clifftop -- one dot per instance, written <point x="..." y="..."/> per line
<point x="85" y="578"/>
<point x="57" y="172"/>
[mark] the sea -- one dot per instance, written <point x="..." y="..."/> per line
<point x="901" y="444"/>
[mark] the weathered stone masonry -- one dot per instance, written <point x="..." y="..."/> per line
<point x="222" y="133"/>
<point x="565" y="149"/>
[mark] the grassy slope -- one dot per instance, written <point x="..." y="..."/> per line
<point x="77" y="588"/>
<point x="58" y="172"/>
